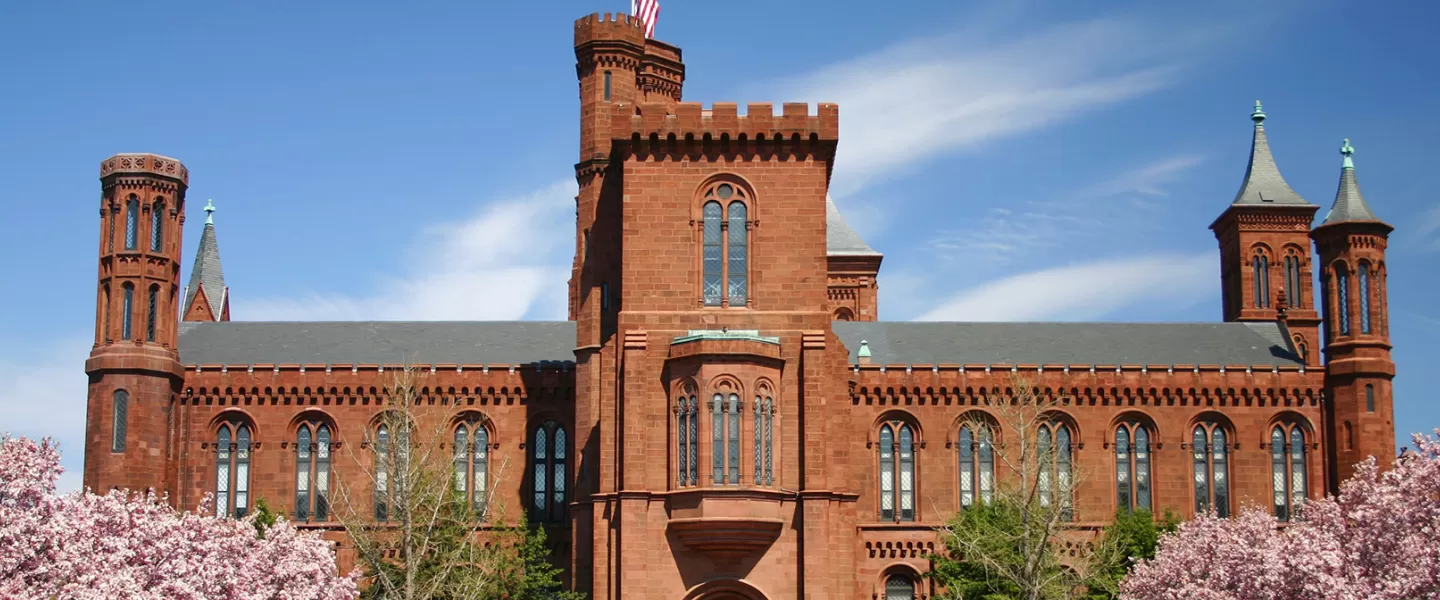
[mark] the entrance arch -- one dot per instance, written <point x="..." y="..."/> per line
<point x="725" y="589"/>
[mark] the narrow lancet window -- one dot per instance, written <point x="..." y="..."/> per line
<point x="733" y="438"/>
<point x="1342" y="297"/>
<point x="1369" y="397"/>
<point x="303" y="453"/>
<point x="717" y="445"/>
<point x="887" y="473"/>
<point x="549" y="474"/>
<point x="1364" y="291"/>
<point x="120" y="407"/>
<point x="127" y="309"/>
<point x="607" y="86"/>
<point x="152" y="313"/>
<point x="711" y="255"/>
<point x="132" y="223"/>
<point x="382" y="472"/>
<point x="736" y="269"/>
<point x="682" y="440"/>
<point x="157" y="226"/>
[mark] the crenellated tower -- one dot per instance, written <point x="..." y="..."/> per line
<point x="134" y="367"/>
<point x="1265" y="248"/>
<point x="206" y="296"/>
<point x="1352" y="241"/>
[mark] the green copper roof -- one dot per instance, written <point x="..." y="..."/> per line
<point x="726" y="334"/>
<point x="1263" y="183"/>
<point x="1349" y="202"/>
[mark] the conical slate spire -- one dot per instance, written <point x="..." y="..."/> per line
<point x="1263" y="183"/>
<point x="1349" y="203"/>
<point x="205" y="272"/>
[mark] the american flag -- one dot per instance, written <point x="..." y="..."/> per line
<point x="647" y="11"/>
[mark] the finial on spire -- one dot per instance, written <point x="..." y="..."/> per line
<point x="1259" y="115"/>
<point x="209" y="212"/>
<point x="1346" y="150"/>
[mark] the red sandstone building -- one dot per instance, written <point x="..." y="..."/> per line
<point x="723" y="416"/>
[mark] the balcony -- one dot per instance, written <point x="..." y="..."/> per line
<point x="727" y="522"/>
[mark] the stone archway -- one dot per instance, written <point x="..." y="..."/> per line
<point x="725" y="589"/>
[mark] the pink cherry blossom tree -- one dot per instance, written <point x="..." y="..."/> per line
<point x="82" y="546"/>
<point x="1378" y="540"/>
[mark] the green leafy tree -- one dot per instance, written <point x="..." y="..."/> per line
<point x="265" y="518"/>
<point x="1129" y="539"/>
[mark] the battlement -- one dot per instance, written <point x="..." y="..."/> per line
<point x="145" y="164"/>
<point x="608" y="27"/>
<point x="691" y="120"/>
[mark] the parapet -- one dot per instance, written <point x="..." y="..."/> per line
<point x="617" y="27"/>
<point x="690" y="120"/>
<point x="145" y="164"/>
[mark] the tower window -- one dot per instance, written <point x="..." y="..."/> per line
<point x="1287" y="469"/>
<point x="1342" y="297"/>
<point x="132" y="222"/>
<point x="1364" y="280"/>
<point x="127" y="308"/>
<point x="120" y="407"/>
<point x="1212" y="469"/>
<point x="725" y="247"/>
<point x="157" y="226"/>
<point x="152" y="313"/>
<point x="1132" y="466"/>
<point x="977" y="465"/>
<point x="549" y="474"/>
<point x="1369" y="398"/>
<point x="1294" y="283"/>
<point x="312" y="472"/>
<point x="232" y="470"/>
<point x="472" y="464"/>
<point x="607" y="86"/>
<point x="108" y="310"/>
<point x="1260" y="270"/>
<point x="897" y="471"/>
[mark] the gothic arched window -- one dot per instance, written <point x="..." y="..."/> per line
<point x="1294" y="282"/>
<point x="977" y="464"/>
<point x="725" y="245"/>
<point x="548" y="479"/>
<point x="1260" y="274"/>
<point x="312" y="472"/>
<point x="132" y="222"/>
<point x="120" y="408"/>
<point x="106" y="291"/>
<point x="1212" y="469"/>
<point x="762" y="430"/>
<point x="152" y="313"/>
<point x="157" y="226"/>
<point x="472" y="464"/>
<point x="899" y="587"/>
<point x="897" y="471"/>
<point x="1053" y="451"/>
<point x="127" y="308"/>
<point x="607" y="86"/>
<point x="725" y="413"/>
<point x="1342" y="297"/>
<point x="1369" y="397"/>
<point x="382" y="473"/>
<point x="687" y="439"/>
<point x="1288" y="469"/>
<point x="1132" y="466"/>
<point x="232" y="470"/>
<point x="1364" y="292"/>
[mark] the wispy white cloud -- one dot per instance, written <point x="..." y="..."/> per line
<point x="1001" y="234"/>
<point x="1427" y="228"/>
<point x="1081" y="292"/>
<point x="507" y="261"/>
<point x="43" y="393"/>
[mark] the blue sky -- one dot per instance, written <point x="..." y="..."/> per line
<point x="1013" y="160"/>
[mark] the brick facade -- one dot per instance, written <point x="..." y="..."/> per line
<point x="648" y="336"/>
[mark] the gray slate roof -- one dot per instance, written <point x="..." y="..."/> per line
<point x="840" y="239"/>
<point x="369" y="342"/>
<point x="1349" y="203"/>
<point x="206" y="271"/>
<point x="911" y="343"/>
<point x="1263" y="183"/>
<point x="528" y="342"/>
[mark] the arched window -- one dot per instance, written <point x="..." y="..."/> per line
<point x="232" y="470"/>
<point x="1260" y="273"/>
<point x="762" y="432"/>
<point x="120" y="408"/>
<point x="132" y="222"/>
<point x="1054" y="483"/>
<point x="1132" y="466"/>
<point x="1349" y="437"/>
<point x="1294" y="283"/>
<point x="1287" y="467"/>
<point x="725" y="415"/>
<point x="897" y="466"/>
<point x="843" y="314"/>
<point x="899" y="587"/>
<point x="108" y="336"/>
<point x="472" y="464"/>
<point x="127" y="308"/>
<point x="725" y="256"/>
<point x="607" y="86"/>
<point x="685" y="418"/>
<point x="977" y="465"/>
<point x="110" y="228"/>
<point x="549" y="474"/>
<point x="157" y="226"/>
<point x="382" y="473"/>
<point x="1212" y="469"/>
<point x="1369" y="398"/>
<point x="312" y="472"/>
<point x="1342" y="297"/>
<point x="152" y="313"/>
<point x="1364" y="292"/>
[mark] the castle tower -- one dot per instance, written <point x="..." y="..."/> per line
<point x="1351" y="241"/>
<point x="1264" y="249"/>
<point x="134" y="367"/>
<point x="206" y="296"/>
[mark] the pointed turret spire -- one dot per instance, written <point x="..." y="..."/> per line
<point x="1263" y="183"/>
<point x="1349" y="203"/>
<point x="206" y="297"/>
